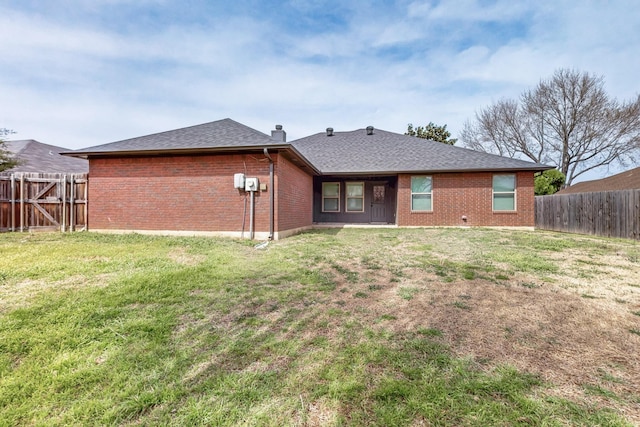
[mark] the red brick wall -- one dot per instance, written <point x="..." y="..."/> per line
<point x="294" y="196"/>
<point x="466" y="194"/>
<point x="184" y="193"/>
<point x="195" y="193"/>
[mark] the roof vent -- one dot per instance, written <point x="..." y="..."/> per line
<point x="279" y="134"/>
<point x="329" y="131"/>
<point x="369" y="130"/>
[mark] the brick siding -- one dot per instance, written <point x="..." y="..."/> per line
<point x="195" y="193"/>
<point x="182" y="193"/>
<point x="469" y="194"/>
<point x="294" y="196"/>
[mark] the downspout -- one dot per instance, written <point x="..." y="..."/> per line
<point x="271" y="193"/>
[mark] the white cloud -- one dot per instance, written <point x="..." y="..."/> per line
<point x="468" y="10"/>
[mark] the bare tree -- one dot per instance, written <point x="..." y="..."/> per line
<point x="568" y="121"/>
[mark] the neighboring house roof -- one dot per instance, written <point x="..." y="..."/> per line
<point x="37" y="157"/>
<point x="221" y="134"/>
<point x="623" y="181"/>
<point x="358" y="152"/>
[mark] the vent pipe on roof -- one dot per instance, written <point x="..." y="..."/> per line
<point x="279" y="134"/>
<point x="369" y="130"/>
<point x="329" y="131"/>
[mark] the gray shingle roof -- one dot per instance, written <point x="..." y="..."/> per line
<point x="225" y="133"/>
<point x="43" y="158"/>
<point x="355" y="152"/>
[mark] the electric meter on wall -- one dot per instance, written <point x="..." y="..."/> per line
<point x="251" y="184"/>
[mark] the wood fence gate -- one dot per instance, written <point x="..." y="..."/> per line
<point x="39" y="201"/>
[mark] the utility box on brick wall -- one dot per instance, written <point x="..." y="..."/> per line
<point x="238" y="181"/>
<point x="251" y="184"/>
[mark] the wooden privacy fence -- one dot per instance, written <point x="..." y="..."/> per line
<point x="40" y="201"/>
<point x="606" y="213"/>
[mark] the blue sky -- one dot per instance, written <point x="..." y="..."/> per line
<point x="77" y="73"/>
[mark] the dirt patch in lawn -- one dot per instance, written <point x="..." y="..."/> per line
<point x="586" y="346"/>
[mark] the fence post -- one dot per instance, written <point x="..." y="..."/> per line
<point x="22" y="212"/>
<point x="72" y="197"/>
<point x="63" y="222"/>
<point x="13" y="202"/>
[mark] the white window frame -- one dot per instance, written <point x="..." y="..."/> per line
<point x="347" y="197"/>
<point x="514" y="193"/>
<point x="332" y="197"/>
<point x="430" y="193"/>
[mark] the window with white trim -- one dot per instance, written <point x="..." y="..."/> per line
<point x="504" y="192"/>
<point x="330" y="197"/>
<point x="421" y="194"/>
<point x="355" y="196"/>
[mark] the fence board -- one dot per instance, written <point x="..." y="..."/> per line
<point x="605" y="213"/>
<point x="32" y="201"/>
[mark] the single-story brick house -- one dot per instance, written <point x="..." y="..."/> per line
<point x="224" y="178"/>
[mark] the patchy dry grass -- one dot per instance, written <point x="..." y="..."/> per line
<point x="516" y="299"/>
<point x="334" y="327"/>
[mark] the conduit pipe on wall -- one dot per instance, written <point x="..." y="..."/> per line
<point x="271" y="193"/>
<point x="252" y="209"/>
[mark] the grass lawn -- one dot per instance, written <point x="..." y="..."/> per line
<point x="387" y="327"/>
